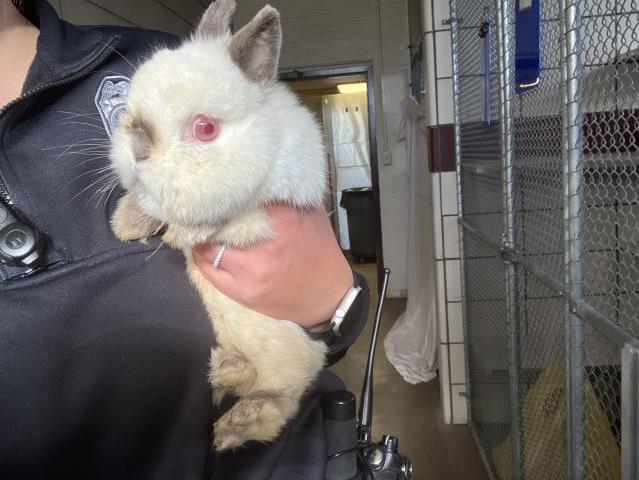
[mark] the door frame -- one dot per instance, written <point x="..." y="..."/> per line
<point x="367" y="70"/>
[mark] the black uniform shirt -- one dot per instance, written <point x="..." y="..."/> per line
<point x="104" y="354"/>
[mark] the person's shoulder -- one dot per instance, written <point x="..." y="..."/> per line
<point x="136" y="37"/>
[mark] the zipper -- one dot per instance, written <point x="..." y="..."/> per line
<point x="4" y="191"/>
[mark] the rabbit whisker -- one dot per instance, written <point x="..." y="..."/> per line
<point x="120" y="54"/>
<point x="89" y="172"/>
<point x="114" y="185"/>
<point x="97" y="127"/>
<point x="79" y="114"/>
<point x="89" y="151"/>
<point x="101" y="157"/>
<point x="69" y="147"/>
<point x="83" y="142"/>
<point x="108" y="176"/>
<point x="104" y="191"/>
<point x="99" y="193"/>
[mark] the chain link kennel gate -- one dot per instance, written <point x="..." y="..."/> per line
<point x="548" y="194"/>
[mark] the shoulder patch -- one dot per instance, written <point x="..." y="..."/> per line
<point x="110" y="100"/>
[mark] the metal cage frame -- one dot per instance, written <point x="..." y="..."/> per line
<point x="548" y="210"/>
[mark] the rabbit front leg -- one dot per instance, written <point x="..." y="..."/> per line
<point x="247" y="229"/>
<point x="286" y="362"/>
<point x="258" y="417"/>
<point x="267" y="363"/>
<point x="285" y="371"/>
<point x="130" y="222"/>
<point x="230" y="372"/>
<point x="229" y="369"/>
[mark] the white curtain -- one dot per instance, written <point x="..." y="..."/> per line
<point x="412" y="343"/>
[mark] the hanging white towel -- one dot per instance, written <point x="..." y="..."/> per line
<point x="412" y="344"/>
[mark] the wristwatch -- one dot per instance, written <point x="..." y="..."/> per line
<point x="344" y="318"/>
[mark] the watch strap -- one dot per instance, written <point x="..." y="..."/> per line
<point x="343" y="317"/>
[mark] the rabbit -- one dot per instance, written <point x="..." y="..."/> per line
<point x="208" y="138"/>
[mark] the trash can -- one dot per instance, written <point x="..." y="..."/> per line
<point x="358" y="203"/>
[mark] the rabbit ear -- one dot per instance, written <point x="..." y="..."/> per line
<point x="216" y="20"/>
<point x="256" y="47"/>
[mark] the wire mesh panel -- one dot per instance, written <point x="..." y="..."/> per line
<point x="542" y="381"/>
<point x="610" y="102"/>
<point x="488" y="351"/>
<point x="602" y="371"/>
<point x="479" y="115"/>
<point x="542" y="385"/>
<point x="538" y="155"/>
<point x="610" y="56"/>
<point x="545" y="363"/>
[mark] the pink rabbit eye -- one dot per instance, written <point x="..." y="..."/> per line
<point x="206" y="129"/>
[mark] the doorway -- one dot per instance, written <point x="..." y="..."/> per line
<point x="342" y="101"/>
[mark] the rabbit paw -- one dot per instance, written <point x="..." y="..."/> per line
<point x="256" y="417"/>
<point x="230" y="372"/>
<point x="247" y="229"/>
<point x="182" y="238"/>
<point x="129" y="222"/>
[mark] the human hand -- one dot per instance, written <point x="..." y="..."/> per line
<point x="299" y="275"/>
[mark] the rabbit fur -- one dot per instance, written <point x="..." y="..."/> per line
<point x="269" y="149"/>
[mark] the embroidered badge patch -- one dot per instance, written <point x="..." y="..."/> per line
<point x="111" y="100"/>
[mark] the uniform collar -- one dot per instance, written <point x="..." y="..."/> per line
<point x="63" y="49"/>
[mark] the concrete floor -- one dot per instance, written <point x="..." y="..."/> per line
<point x="411" y="412"/>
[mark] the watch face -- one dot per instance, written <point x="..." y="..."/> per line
<point x="343" y="322"/>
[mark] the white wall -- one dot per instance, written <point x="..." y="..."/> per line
<point x="345" y="32"/>
<point x="438" y="102"/>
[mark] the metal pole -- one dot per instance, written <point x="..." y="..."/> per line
<point x="572" y="157"/>
<point x="366" y="399"/>
<point x="460" y="198"/>
<point x="505" y="24"/>
<point x="629" y="413"/>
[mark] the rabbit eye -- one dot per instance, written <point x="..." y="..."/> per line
<point x="206" y="129"/>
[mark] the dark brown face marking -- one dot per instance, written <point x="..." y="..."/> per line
<point x="143" y="137"/>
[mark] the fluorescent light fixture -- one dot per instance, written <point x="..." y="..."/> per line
<point x="352" y="87"/>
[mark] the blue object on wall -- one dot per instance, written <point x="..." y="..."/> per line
<point x="486" y="66"/>
<point x="527" y="44"/>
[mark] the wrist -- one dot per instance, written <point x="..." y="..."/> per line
<point x="320" y="326"/>
<point x="320" y="317"/>
<point x="344" y="318"/>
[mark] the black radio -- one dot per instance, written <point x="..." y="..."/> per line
<point x="20" y="243"/>
<point x="351" y="453"/>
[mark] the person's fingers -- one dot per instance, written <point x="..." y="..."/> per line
<point x="209" y="252"/>
<point x="282" y="217"/>
<point x="219" y="277"/>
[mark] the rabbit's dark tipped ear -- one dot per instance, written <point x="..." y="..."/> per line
<point x="216" y="20"/>
<point x="256" y="47"/>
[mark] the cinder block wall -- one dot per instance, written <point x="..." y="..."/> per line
<point x="316" y="34"/>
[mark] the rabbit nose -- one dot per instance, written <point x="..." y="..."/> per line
<point x="142" y="138"/>
<point x="141" y="144"/>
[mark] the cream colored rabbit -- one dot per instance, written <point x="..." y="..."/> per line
<point x="209" y="137"/>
